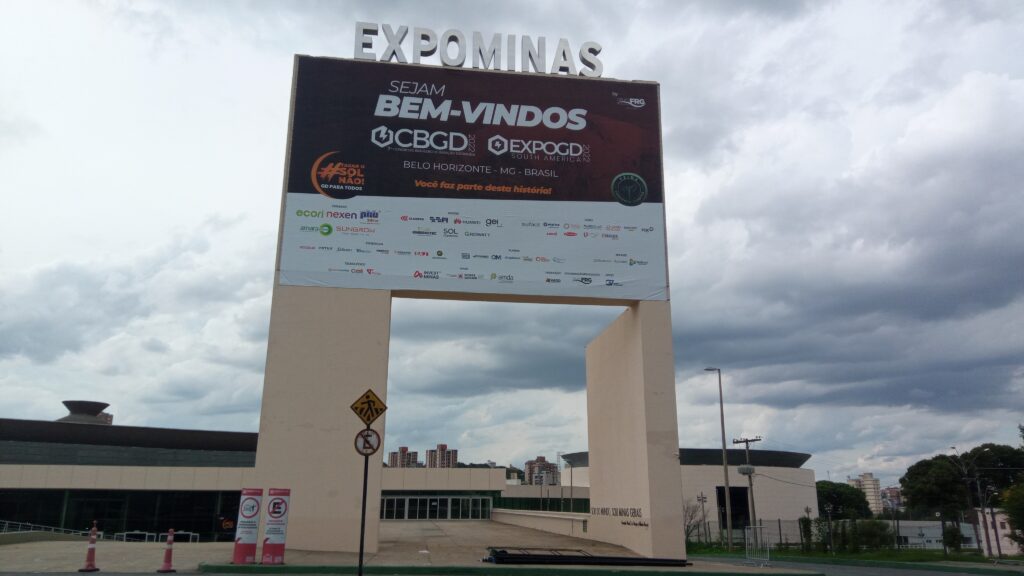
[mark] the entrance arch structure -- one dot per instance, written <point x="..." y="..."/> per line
<point x="367" y="217"/>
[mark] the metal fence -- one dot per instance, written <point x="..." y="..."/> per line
<point x="135" y="536"/>
<point x="758" y="549"/>
<point x="8" y="526"/>
<point x="786" y="534"/>
<point x="780" y="534"/>
<point x="180" y="537"/>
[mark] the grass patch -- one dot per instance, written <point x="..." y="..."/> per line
<point x="890" y="555"/>
<point x="883" y="555"/>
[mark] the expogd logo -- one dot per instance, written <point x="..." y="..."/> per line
<point x="337" y="179"/>
<point x="499" y="145"/>
<point x="629" y="189"/>
<point x="410" y="139"/>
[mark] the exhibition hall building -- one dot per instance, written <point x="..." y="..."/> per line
<point x="133" y="479"/>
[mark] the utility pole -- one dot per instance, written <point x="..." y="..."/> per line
<point x="704" y="517"/>
<point x="750" y="477"/>
<point x="725" y="462"/>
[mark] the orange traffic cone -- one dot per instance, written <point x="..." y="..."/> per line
<point x="90" y="556"/>
<point x="168" y="552"/>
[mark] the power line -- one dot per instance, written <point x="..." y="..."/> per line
<point x="785" y="481"/>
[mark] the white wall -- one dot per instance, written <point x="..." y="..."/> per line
<point x="779" y="493"/>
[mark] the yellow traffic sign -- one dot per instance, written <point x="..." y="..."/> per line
<point x="369" y="407"/>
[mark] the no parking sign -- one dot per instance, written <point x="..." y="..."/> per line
<point x="275" y="525"/>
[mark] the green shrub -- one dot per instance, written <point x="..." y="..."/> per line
<point x="874" y="534"/>
<point x="952" y="538"/>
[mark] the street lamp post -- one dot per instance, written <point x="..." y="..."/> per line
<point x="725" y="461"/>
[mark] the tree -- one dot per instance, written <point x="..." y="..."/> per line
<point x="822" y="534"/>
<point x="1013" y="505"/>
<point x="952" y="538"/>
<point x="691" y="520"/>
<point x="998" y="465"/>
<point x="933" y="485"/>
<point x="846" y="501"/>
<point x="805" y="533"/>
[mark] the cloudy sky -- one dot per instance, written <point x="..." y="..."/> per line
<point x="844" y="202"/>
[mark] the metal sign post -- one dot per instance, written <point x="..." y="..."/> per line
<point x="368" y="407"/>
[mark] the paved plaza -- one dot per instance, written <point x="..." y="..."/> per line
<point x="419" y="543"/>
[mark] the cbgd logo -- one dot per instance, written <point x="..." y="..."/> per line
<point x="408" y="138"/>
<point x="381" y="136"/>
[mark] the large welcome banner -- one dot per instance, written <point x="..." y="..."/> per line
<point x="405" y="177"/>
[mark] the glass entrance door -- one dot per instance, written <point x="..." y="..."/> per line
<point x="435" y="508"/>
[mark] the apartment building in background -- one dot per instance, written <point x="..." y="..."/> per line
<point x="892" y="498"/>
<point x="870" y="486"/>
<point x="540" y="472"/>
<point x="442" y="457"/>
<point x="403" y="458"/>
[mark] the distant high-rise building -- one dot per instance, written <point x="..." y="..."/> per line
<point x="442" y="457"/>
<point x="869" y="485"/>
<point x="892" y="498"/>
<point x="403" y="458"/>
<point x="541" y="472"/>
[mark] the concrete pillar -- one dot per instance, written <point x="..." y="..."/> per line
<point x="326" y="347"/>
<point x="635" y="496"/>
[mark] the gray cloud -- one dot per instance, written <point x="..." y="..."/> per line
<point x="492" y="347"/>
<point x="917" y="252"/>
<point x="844" y="206"/>
<point x="61" y="309"/>
<point x="16" y="131"/>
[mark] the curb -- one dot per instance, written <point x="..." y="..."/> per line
<point x="467" y="571"/>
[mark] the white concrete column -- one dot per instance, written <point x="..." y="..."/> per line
<point x="635" y="494"/>
<point x="327" y="346"/>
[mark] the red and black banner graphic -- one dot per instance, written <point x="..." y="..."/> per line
<point x="374" y="129"/>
